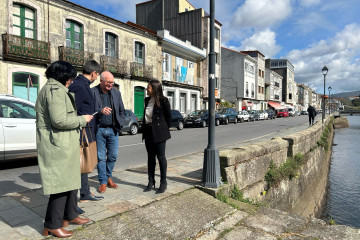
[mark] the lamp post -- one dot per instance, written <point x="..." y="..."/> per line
<point x="329" y="88"/>
<point x="211" y="169"/>
<point x="324" y="72"/>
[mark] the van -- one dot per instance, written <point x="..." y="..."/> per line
<point x="291" y="112"/>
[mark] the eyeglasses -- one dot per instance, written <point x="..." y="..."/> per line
<point x="108" y="82"/>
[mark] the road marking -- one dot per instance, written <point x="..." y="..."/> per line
<point x="131" y="145"/>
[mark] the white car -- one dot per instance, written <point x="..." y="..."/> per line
<point x="17" y="128"/>
<point x="243" y="116"/>
<point x="263" y="115"/>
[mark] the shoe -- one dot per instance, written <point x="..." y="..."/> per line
<point x="102" y="188"/>
<point x="60" y="232"/>
<point x="80" y="211"/>
<point x="149" y="186"/>
<point x="90" y="197"/>
<point x="162" y="188"/>
<point x="76" y="221"/>
<point x="111" y="184"/>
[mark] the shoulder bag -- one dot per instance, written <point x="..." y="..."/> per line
<point x="88" y="153"/>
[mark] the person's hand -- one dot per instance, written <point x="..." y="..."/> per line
<point x="88" y="118"/>
<point x="106" y="110"/>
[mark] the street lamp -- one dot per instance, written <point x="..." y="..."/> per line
<point x="329" y="88"/>
<point x="324" y="72"/>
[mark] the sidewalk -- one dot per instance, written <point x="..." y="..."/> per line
<point x="22" y="214"/>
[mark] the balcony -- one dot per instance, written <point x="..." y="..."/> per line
<point x="277" y="84"/>
<point x="25" y="50"/>
<point x="74" y="56"/>
<point x="118" y="67"/>
<point x="252" y="94"/>
<point x="141" y="70"/>
<point x="277" y="97"/>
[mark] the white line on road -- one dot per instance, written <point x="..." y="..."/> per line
<point x="131" y="145"/>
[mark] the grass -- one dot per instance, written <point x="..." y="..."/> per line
<point x="288" y="170"/>
<point x="324" y="139"/>
<point x="235" y="194"/>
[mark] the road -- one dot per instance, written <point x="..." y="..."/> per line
<point x="132" y="153"/>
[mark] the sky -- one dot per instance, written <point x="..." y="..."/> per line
<point x="309" y="33"/>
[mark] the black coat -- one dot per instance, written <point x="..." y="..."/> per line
<point x="161" y="120"/>
<point x="311" y="111"/>
<point x="84" y="102"/>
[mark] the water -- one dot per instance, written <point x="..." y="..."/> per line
<point x="343" y="200"/>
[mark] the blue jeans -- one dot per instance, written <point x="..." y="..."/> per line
<point x="107" y="141"/>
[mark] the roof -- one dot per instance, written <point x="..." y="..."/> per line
<point x="250" y="51"/>
<point x="141" y="28"/>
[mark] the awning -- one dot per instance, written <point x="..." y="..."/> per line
<point x="275" y="105"/>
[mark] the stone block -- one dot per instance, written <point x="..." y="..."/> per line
<point x="18" y="215"/>
<point x="30" y="199"/>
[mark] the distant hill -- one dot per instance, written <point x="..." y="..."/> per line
<point x="346" y="94"/>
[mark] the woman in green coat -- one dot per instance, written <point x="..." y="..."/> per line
<point x="57" y="139"/>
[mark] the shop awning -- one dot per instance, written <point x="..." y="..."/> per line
<point x="275" y="105"/>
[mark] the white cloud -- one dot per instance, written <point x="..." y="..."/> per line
<point x="313" y="21"/>
<point x="264" y="41"/>
<point x="339" y="54"/>
<point x="261" y="13"/>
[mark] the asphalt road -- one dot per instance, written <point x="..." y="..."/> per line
<point x="18" y="177"/>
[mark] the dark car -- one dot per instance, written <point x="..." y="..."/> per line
<point x="228" y="115"/>
<point x="131" y="123"/>
<point x="271" y="114"/>
<point x="200" y="118"/>
<point x="177" y="120"/>
<point x="254" y="115"/>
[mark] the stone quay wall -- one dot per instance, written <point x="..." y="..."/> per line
<point x="305" y="194"/>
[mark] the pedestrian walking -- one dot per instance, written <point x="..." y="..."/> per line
<point x="57" y="138"/>
<point x="109" y="120"/>
<point x="312" y="114"/>
<point x="156" y="132"/>
<point x="85" y="105"/>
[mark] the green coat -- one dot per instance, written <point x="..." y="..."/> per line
<point x="57" y="138"/>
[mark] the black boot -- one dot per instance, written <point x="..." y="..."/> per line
<point x="149" y="186"/>
<point x="162" y="188"/>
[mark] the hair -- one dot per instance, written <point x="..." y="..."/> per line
<point x="157" y="91"/>
<point x="61" y="71"/>
<point x="91" y="66"/>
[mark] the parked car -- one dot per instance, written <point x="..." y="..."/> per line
<point x="243" y="116"/>
<point x="283" y="113"/>
<point x="17" y="128"/>
<point x="177" y="120"/>
<point x="263" y="115"/>
<point x="271" y="114"/>
<point x="304" y="113"/>
<point x="254" y="115"/>
<point x="228" y="115"/>
<point x="291" y="112"/>
<point x="297" y="113"/>
<point x="200" y="118"/>
<point x="131" y="123"/>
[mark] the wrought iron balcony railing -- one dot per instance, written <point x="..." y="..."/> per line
<point x="277" y="97"/>
<point x="74" y="56"/>
<point x="277" y="84"/>
<point x="141" y="70"/>
<point x="26" y="50"/>
<point x="252" y="94"/>
<point x="118" y="67"/>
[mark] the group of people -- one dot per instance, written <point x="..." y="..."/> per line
<point x="66" y="104"/>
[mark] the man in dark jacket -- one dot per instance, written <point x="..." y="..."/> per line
<point x="85" y="105"/>
<point x="312" y="113"/>
<point x="109" y="120"/>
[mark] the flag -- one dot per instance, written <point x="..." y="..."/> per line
<point x="30" y="82"/>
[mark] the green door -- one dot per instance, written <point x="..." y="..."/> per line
<point x="139" y="95"/>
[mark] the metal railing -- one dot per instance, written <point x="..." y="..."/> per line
<point x="277" y="84"/>
<point x="118" y="67"/>
<point x="141" y="70"/>
<point x="22" y="49"/>
<point x="74" y="56"/>
<point x="277" y="97"/>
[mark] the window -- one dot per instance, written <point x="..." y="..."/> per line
<point x="170" y="96"/>
<point x="262" y="73"/>
<point x="139" y="52"/>
<point x="193" y="103"/>
<point x="259" y="73"/>
<point x="24" y="21"/>
<point x="247" y="89"/>
<point x="252" y="90"/>
<point x="14" y="109"/>
<point x="217" y="33"/>
<point x="74" y="35"/>
<point x="262" y="90"/>
<point x="111" y="45"/>
<point x="182" y="102"/>
<point x="25" y="85"/>
<point x="166" y="66"/>
<point x="259" y="89"/>
<point x="216" y="58"/>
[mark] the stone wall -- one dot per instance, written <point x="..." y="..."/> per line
<point x="247" y="166"/>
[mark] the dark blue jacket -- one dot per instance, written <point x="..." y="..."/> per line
<point x="117" y="104"/>
<point x="84" y="102"/>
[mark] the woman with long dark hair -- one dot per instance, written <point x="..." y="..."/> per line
<point x="57" y="140"/>
<point x="157" y="119"/>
